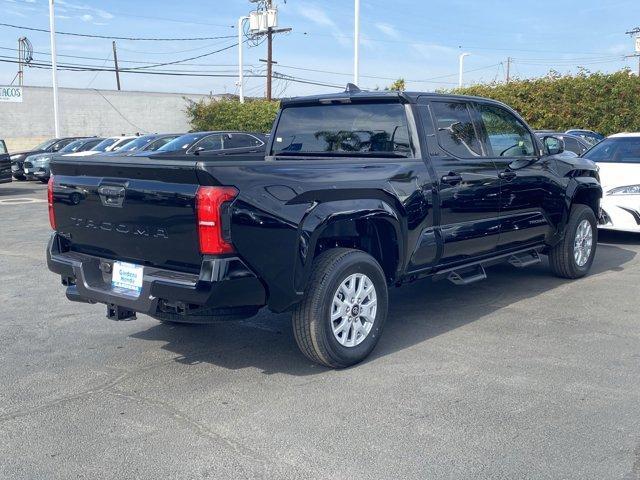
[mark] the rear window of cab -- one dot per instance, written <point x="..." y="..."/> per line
<point x="372" y="129"/>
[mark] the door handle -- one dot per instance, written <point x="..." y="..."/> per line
<point x="507" y="175"/>
<point x="451" y="178"/>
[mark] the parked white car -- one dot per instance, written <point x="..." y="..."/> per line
<point x="618" y="157"/>
<point x="110" y="144"/>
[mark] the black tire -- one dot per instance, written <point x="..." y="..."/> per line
<point x="20" y="178"/>
<point x="44" y="180"/>
<point x="561" y="257"/>
<point x="311" y="319"/>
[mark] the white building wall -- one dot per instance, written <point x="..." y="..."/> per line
<point x="91" y="112"/>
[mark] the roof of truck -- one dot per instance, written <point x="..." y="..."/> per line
<point x="410" y="97"/>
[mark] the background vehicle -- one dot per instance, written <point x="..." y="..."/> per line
<point x="37" y="166"/>
<point x="358" y="192"/>
<point x="146" y="143"/>
<point x="618" y="157"/>
<point x="204" y="142"/>
<point x="110" y="144"/>
<point x="5" y="163"/>
<point x="589" y="136"/>
<point x="571" y="143"/>
<point x="50" y="146"/>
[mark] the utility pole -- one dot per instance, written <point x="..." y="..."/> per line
<point x="115" y="61"/>
<point x="508" y="69"/>
<point x="241" y="21"/>
<point x="20" y="56"/>
<point x="356" y="44"/>
<point x="54" y="68"/>
<point x="268" y="4"/>
<point x="635" y="33"/>
<point x="460" y="67"/>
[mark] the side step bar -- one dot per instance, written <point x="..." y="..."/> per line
<point x="467" y="276"/>
<point x="521" y="260"/>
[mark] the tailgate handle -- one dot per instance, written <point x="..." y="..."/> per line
<point x="111" y="195"/>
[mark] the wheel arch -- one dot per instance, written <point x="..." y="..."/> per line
<point x="370" y="225"/>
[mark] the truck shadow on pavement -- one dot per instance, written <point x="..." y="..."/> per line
<point x="417" y="313"/>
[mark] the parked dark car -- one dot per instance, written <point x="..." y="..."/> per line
<point x="213" y="142"/>
<point x="359" y="192"/>
<point x="571" y="143"/>
<point x="589" y="136"/>
<point x="146" y="144"/>
<point x="37" y="166"/>
<point x="50" y="146"/>
<point x="5" y="163"/>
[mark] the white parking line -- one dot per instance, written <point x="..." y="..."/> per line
<point x="20" y="201"/>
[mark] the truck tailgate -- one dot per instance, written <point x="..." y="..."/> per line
<point x="132" y="209"/>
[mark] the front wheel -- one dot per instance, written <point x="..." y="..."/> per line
<point x="573" y="256"/>
<point x="342" y="315"/>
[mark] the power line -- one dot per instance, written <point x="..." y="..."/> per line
<point x="80" y="68"/>
<point x="185" y="59"/>
<point x="108" y="37"/>
<point x="100" y="59"/>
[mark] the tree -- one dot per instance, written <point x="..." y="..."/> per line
<point x="398" y="86"/>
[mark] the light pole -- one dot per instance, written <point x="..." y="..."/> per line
<point x="461" y="61"/>
<point x="241" y="21"/>
<point x="356" y="44"/>
<point x="54" y="67"/>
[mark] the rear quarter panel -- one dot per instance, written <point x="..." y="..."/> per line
<point x="282" y="205"/>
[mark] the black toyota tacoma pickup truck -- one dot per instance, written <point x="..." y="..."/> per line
<point x="358" y="192"/>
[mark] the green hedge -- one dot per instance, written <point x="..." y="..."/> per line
<point x="229" y="114"/>
<point x="607" y="103"/>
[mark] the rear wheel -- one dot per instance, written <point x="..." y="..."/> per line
<point x="573" y="256"/>
<point x="342" y="315"/>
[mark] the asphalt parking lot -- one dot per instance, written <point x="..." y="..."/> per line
<point x="521" y="376"/>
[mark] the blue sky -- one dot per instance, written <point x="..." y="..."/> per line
<point x="418" y="40"/>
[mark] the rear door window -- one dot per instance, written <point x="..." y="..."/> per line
<point x="457" y="133"/>
<point x="238" y="140"/>
<point x="372" y="129"/>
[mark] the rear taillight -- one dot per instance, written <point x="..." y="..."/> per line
<point x="209" y="206"/>
<point x="52" y="214"/>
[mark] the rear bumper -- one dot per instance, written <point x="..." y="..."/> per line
<point x="222" y="283"/>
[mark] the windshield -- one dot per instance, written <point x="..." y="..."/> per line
<point x="72" y="147"/>
<point x="45" y="145"/>
<point x="103" y="145"/>
<point x="181" y="143"/>
<point x="121" y="144"/>
<point x="616" y="150"/>
<point x="136" y="144"/>
<point x="373" y="129"/>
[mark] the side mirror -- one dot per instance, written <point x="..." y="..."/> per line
<point x="553" y="145"/>
<point x="197" y="150"/>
